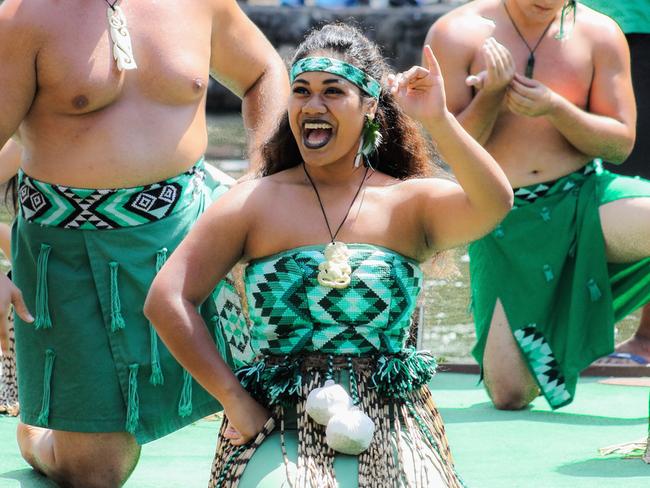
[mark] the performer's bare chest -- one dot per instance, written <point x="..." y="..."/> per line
<point x="77" y="71"/>
<point x="565" y="66"/>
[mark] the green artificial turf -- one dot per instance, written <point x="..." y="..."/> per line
<point x="534" y="448"/>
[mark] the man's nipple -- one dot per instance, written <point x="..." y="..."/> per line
<point x="80" y="102"/>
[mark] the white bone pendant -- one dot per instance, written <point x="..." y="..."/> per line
<point x="122" y="49"/>
<point x="335" y="271"/>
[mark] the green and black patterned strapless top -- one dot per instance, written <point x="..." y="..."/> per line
<point x="291" y="312"/>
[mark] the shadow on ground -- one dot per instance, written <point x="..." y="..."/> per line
<point x="485" y="412"/>
<point x="607" y="468"/>
<point x="28" y="478"/>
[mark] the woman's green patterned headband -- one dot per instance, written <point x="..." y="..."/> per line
<point x="340" y="68"/>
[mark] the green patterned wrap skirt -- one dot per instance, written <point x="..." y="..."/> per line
<point x="84" y="260"/>
<point x="546" y="263"/>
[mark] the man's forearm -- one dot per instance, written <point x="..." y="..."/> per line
<point x="262" y="106"/>
<point x="479" y="117"/>
<point x="592" y="134"/>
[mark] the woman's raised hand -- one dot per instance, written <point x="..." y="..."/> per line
<point x="420" y="91"/>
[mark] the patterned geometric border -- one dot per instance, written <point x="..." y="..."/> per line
<point x="543" y="364"/>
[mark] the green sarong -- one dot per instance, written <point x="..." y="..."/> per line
<point x="546" y="262"/>
<point x="84" y="260"/>
<point x="633" y="16"/>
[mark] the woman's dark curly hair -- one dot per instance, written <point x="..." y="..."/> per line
<point x="404" y="152"/>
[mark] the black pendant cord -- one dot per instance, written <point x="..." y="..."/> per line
<point x="530" y="65"/>
<point x="322" y="208"/>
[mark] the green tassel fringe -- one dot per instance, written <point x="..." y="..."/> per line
<point x="280" y="384"/>
<point x="548" y="273"/>
<point x="397" y="376"/>
<point x="44" y="415"/>
<point x="594" y="291"/>
<point x="156" y="377"/>
<point x="283" y="383"/>
<point x="185" y="404"/>
<point x="117" y="321"/>
<point x="133" y="407"/>
<point x="250" y="378"/>
<point x="43" y="320"/>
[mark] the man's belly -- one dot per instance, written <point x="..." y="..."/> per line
<point x="532" y="151"/>
<point x="113" y="151"/>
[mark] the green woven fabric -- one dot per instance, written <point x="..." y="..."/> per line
<point x="91" y="285"/>
<point x="546" y="263"/>
<point x="291" y="312"/>
<point x="632" y="15"/>
<point x="104" y="209"/>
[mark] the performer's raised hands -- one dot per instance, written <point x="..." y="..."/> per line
<point x="420" y="91"/>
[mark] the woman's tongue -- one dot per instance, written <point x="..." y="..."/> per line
<point x="315" y="138"/>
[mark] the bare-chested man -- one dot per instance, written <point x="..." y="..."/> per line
<point x="114" y="107"/>
<point x="570" y="258"/>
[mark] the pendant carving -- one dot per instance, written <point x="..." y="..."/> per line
<point x="122" y="49"/>
<point x="335" y="271"/>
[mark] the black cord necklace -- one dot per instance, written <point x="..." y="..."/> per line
<point x="322" y="207"/>
<point x="530" y="65"/>
<point x="112" y="5"/>
<point x="335" y="271"/>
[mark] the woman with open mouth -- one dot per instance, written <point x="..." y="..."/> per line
<point x="333" y="231"/>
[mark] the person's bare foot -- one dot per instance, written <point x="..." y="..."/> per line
<point x="635" y="351"/>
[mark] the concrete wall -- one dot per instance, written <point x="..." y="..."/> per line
<point x="399" y="31"/>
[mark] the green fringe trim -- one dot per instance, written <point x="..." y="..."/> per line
<point x="283" y="382"/>
<point x="44" y="415"/>
<point x="250" y="378"/>
<point x="273" y="385"/>
<point x="594" y="291"/>
<point x="545" y="214"/>
<point x="185" y="404"/>
<point x="156" y="377"/>
<point x="43" y="320"/>
<point x="396" y="376"/>
<point x="117" y="321"/>
<point x="281" y="385"/>
<point x="133" y="407"/>
<point x="548" y="273"/>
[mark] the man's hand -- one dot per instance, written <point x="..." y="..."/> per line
<point x="10" y="294"/>
<point x="529" y="97"/>
<point x="499" y="68"/>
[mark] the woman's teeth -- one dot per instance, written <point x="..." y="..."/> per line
<point x="316" y="134"/>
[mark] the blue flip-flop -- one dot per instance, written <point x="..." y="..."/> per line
<point x="640" y="360"/>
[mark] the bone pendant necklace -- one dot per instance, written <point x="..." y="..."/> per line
<point x="122" y="49"/>
<point x="335" y="271"/>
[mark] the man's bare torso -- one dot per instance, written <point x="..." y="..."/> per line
<point x="91" y="125"/>
<point x="530" y="149"/>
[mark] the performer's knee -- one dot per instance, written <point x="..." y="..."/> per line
<point x="512" y="398"/>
